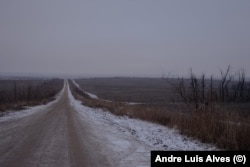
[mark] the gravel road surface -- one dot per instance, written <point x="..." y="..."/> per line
<point x="54" y="136"/>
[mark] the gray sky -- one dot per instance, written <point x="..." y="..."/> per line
<point x="124" y="37"/>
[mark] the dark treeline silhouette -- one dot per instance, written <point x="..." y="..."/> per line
<point x="202" y="91"/>
<point x="26" y="92"/>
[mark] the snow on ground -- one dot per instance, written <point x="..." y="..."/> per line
<point x="132" y="103"/>
<point x="12" y="115"/>
<point x="155" y="136"/>
<point x="93" y="96"/>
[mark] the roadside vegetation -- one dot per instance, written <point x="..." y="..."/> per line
<point x="213" y="111"/>
<point x="16" y="94"/>
<point x="220" y="109"/>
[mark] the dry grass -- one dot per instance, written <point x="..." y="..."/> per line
<point x="215" y="124"/>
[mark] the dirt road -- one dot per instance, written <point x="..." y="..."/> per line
<point x="66" y="133"/>
<point x="54" y="136"/>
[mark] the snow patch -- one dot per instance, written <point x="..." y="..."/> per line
<point x="93" y="96"/>
<point x="155" y="136"/>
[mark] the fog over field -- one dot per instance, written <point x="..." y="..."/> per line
<point x="124" y="38"/>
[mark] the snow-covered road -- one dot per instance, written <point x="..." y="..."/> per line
<point x="66" y="133"/>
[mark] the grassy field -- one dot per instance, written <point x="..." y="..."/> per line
<point x="227" y="125"/>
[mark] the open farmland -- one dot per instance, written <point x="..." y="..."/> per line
<point x="137" y="90"/>
<point x="225" y="124"/>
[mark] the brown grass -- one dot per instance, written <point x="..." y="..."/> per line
<point x="215" y="124"/>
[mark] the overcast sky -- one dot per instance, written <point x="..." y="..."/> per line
<point x="124" y="37"/>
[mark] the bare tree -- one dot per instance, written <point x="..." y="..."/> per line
<point x="179" y="87"/>
<point x="248" y="93"/>
<point x="194" y="89"/>
<point x="226" y="78"/>
<point x="203" y="88"/>
<point x="241" y="84"/>
<point x="211" y="98"/>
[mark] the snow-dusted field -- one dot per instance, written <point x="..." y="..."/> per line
<point x="156" y="136"/>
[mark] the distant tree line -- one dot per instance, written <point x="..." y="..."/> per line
<point x="27" y="92"/>
<point x="229" y="88"/>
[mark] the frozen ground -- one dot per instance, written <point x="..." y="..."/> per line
<point x="66" y="133"/>
<point x="156" y="136"/>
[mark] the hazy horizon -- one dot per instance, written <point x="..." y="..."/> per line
<point x="137" y="38"/>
